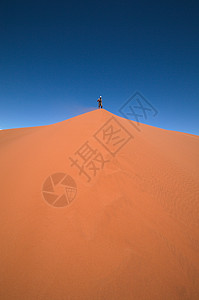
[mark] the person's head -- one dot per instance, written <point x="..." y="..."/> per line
<point x="100" y="97"/>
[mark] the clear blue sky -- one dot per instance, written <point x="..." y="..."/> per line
<point x="58" y="57"/>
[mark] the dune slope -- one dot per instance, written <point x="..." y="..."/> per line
<point x="92" y="208"/>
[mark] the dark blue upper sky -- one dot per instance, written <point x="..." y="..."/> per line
<point x="58" y="57"/>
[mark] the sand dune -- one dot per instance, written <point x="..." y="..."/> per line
<point x="92" y="208"/>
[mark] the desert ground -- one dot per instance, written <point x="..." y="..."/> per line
<point x="99" y="207"/>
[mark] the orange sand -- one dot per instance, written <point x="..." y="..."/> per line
<point x="132" y="232"/>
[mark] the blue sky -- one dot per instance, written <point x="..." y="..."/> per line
<point x="57" y="58"/>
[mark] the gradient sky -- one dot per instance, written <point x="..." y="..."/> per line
<point x="58" y="57"/>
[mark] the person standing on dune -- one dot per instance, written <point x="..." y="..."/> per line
<point x="100" y="102"/>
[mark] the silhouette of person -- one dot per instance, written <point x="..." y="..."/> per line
<point x="100" y="102"/>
